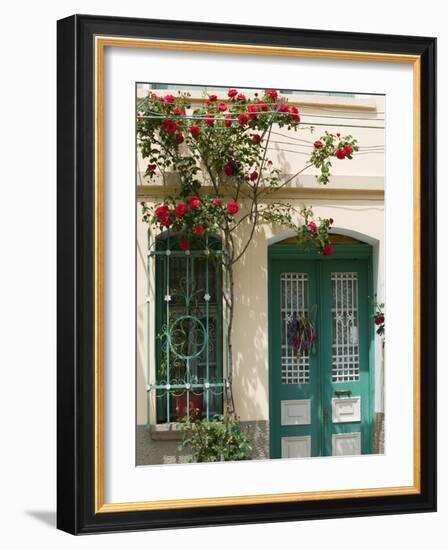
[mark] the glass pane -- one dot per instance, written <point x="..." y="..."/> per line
<point x="344" y="312"/>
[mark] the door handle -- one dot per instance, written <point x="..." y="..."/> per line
<point x="340" y="393"/>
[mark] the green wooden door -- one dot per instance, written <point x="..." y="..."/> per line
<point x="320" y="402"/>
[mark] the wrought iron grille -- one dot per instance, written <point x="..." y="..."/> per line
<point x="190" y="375"/>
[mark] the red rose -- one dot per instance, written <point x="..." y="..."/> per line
<point x="232" y="92"/>
<point x="169" y="125"/>
<point x="313" y="227"/>
<point x="379" y="319"/>
<point x="283" y="108"/>
<point x="348" y="150"/>
<point x="180" y="210"/>
<point x="232" y="207"/>
<point x="180" y="138"/>
<point x="340" y="153"/>
<point x="228" y="121"/>
<point x="165" y="221"/>
<point x="327" y="250"/>
<point x="253" y="110"/>
<point x="168" y="98"/>
<point x="331" y="221"/>
<point x="263" y="105"/>
<point x="176" y="111"/>
<point x="318" y="144"/>
<point x="209" y="119"/>
<point x="243" y="118"/>
<point x="229" y="167"/>
<point x="184" y="244"/>
<point x="241" y="97"/>
<point x="151" y="167"/>
<point x="195" y="131"/>
<point x="272" y="94"/>
<point x="256" y="138"/>
<point x="253" y="176"/>
<point x="154" y="96"/>
<point x="161" y="211"/>
<point x="199" y="229"/>
<point x="194" y="202"/>
<point x="216" y="201"/>
<point x="222" y="106"/>
<point x="212" y="97"/>
<point x="294" y="113"/>
<point x="338" y="135"/>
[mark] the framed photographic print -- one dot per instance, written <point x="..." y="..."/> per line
<point x="246" y="274"/>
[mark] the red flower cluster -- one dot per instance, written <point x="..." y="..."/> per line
<point x="194" y="202"/>
<point x="312" y="227"/>
<point x="195" y="131"/>
<point x="180" y="210"/>
<point x="253" y="176"/>
<point x="229" y="168"/>
<point x="318" y="144"/>
<point x="169" y="126"/>
<point x="232" y="207"/>
<point x="327" y="250"/>
<point x="193" y="224"/>
<point x="162" y="213"/>
<point x="294" y="113"/>
<point x="342" y="152"/>
<point x="272" y="93"/>
<point x="379" y="319"/>
<point x="252" y="110"/>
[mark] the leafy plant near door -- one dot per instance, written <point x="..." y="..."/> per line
<point x="223" y="145"/>
<point x="220" y="440"/>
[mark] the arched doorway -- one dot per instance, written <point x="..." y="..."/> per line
<point x="321" y="384"/>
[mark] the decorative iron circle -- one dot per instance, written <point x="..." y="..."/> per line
<point x="177" y="330"/>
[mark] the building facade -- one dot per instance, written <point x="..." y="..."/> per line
<point x="329" y="402"/>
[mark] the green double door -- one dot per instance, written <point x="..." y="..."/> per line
<point x="320" y="401"/>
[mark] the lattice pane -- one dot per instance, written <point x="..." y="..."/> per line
<point x="295" y="366"/>
<point x="345" y="363"/>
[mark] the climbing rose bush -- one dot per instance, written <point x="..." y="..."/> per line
<point x="223" y="143"/>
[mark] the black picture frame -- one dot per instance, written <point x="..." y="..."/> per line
<point x="76" y="512"/>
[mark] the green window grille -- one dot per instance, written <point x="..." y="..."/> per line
<point x="189" y="379"/>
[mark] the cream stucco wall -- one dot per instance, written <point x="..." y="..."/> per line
<point x="354" y="198"/>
